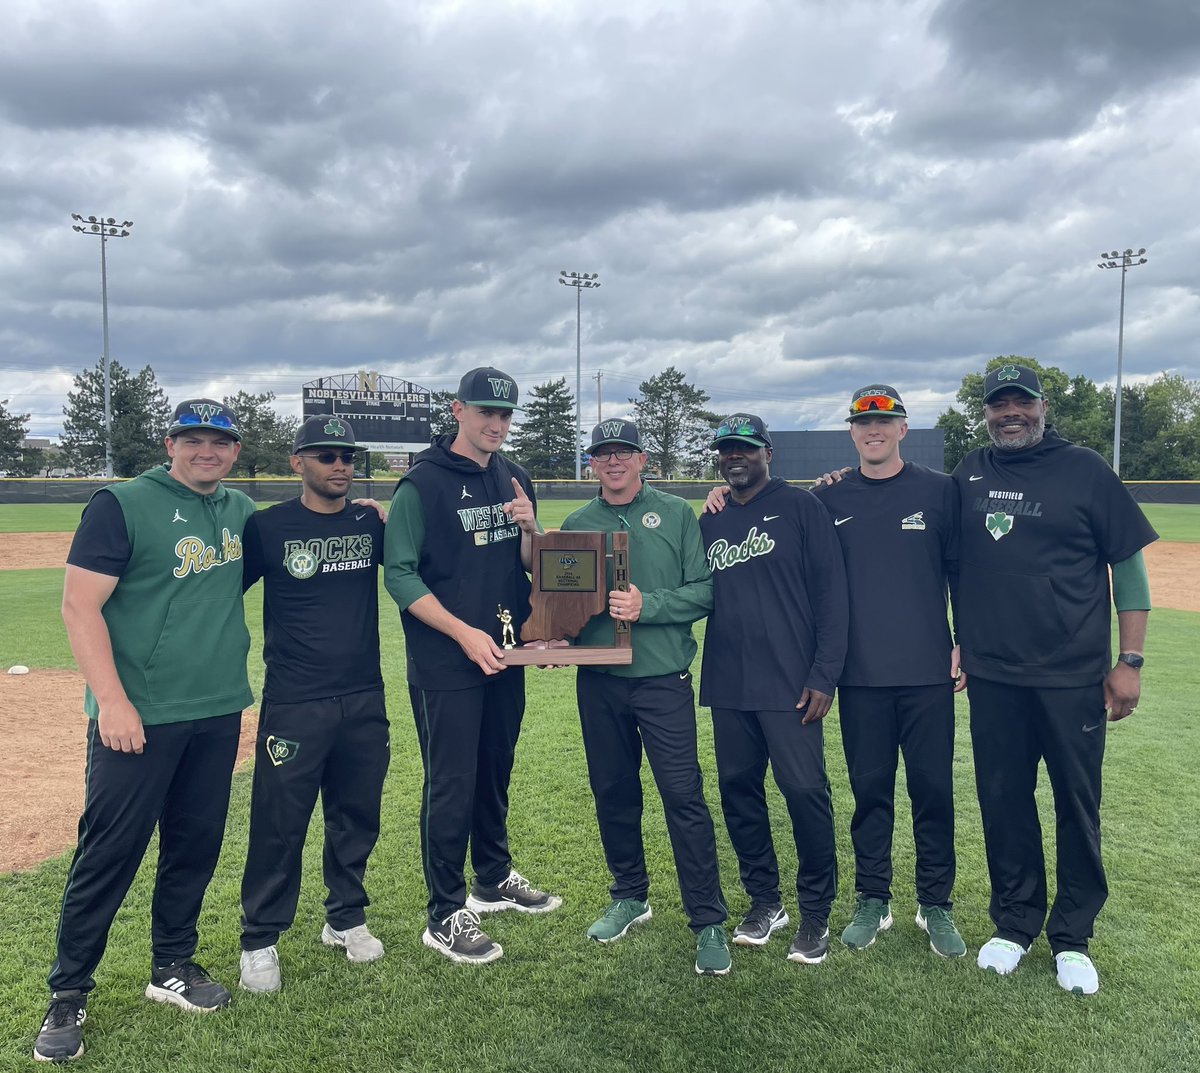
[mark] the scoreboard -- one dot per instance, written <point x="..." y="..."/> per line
<point x="386" y="413"/>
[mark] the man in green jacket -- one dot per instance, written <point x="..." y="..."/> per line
<point x="649" y="703"/>
<point x="153" y="610"/>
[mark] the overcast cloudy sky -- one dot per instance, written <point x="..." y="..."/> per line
<point x="786" y="200"/>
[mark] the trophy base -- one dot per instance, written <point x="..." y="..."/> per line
<point x="583" y="656"/>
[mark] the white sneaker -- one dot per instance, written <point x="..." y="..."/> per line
<point x="260" y="970"/>
<point x="1076" y="973"/>
<point x="1001" y="956"/>
<point x="360" y="945"/>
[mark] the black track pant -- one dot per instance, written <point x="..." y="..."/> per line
<point x="744" y="742"/>
<point x="1012" y="728"/>
<point x="180" y="781"/>
<point x="468" y="740"/>
<point x="620" y="716"/>
<point x="877" y="724"/>
<point x="338" y="746"/>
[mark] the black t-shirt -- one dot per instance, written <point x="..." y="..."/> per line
<point x="899" y="536"/>
<point x="101" y="542"/>
<point x="1039" y="528"/>
<point x="778" y="623"/>
<point x="320" y="599"/>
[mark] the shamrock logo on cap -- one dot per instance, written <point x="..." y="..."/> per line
<point x="334" y="427"/>
<point x="1009" y="372"/>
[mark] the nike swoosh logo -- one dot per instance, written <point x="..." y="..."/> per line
<point x="979" y="478"/>
<point x="839" y="521"/>
<point x="1088" y="729"/>
<point x="683" y="677"/>
<point x="360" y="517"/>
<point x="770" y="517"/>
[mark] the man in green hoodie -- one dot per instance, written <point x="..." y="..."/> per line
<point x="153" y="609"/>
<point x="649" y="704"/>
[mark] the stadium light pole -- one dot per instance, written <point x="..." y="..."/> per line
<point x="1123" y="261"/>
<point x="581" y="281"/>
<point x="105" y="228"/>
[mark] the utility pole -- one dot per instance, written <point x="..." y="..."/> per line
<point x="599" y="395"/>
<point x="581" y="281"/>
<point x="1123" y="261"/>
<point x="105" y="229"/>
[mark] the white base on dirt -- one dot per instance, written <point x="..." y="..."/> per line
<point x="18" y="668"/>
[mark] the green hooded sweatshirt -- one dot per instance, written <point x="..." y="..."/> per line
<point x="178" y="630"/>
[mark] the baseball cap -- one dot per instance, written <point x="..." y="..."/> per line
<point x="324" y="431"/>
<point x="616" y="431"/>
<point x="876" y="400"/>
<point x="748" y="427"/>
<point x="205" y="413"/>
<point x="488" y="387"/>
<point x="1010" y="375"/>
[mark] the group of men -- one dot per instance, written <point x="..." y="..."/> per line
<point x="802" y="593"/>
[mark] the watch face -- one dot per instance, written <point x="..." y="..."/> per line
<point x="1131" y="659"/>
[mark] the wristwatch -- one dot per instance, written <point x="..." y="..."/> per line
<point x="1134" y="659"/>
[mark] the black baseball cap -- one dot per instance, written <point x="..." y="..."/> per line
<point x="618" y="430"/>
<point x="1010" y="375"/>
<point x="324" y="431"/>
<point x="488" y="387"/>
<point x="876" y="400"/>
<point x="205" y="413"/>
<point x="748" y="427"/>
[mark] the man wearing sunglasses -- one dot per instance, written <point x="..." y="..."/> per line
<point x="649" y="704"/>
<point x="456" y="550"/>
<point x="1042" y="523"/>
<point x="773" y="652"/>
<point x="897" y="520"/>
<point x="322" y="726"/>
<point x="152" y="603"/>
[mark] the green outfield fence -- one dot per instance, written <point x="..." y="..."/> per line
<point x="276" y="489"/>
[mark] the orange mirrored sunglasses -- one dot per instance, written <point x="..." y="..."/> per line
<point x="873" y="402"/>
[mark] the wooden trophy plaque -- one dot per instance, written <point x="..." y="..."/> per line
<point x="570" y="588"/>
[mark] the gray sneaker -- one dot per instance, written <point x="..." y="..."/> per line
<point x="512" y="892"/>
<point x="360" y="945"/>
<point x="260" y="970"/>
<point x="460" y="938"/>
<point x="871" y="916"/>
<point x="61" y="1038"/>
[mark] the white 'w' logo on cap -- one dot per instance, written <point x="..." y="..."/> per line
<point x="612" y="428"/>
<point x="206" y="411"/>
<point x="500" y="388"/>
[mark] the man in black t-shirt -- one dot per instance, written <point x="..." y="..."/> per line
<point x="1042" y="522"/>
<point x="773" y="651"/>
<point x="898" y="527"/>
<point x="323" y="724"/>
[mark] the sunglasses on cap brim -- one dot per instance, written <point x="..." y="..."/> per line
<point x="216" y="421"/>
<point x="744" y="429"/>
<point x="868" y="403"/>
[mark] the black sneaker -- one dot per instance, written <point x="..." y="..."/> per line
<point x="61" y="1037"/>
<point x="760" y="924"/>
<point x="460" y="938"/>
<point x="186" y="985"/>
<point x="811" y="944"/>
<point x="512" y="892"/>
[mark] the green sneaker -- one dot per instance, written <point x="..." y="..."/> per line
<point x="872" y="916"/>
<point x="938" y="924"/>
<point x="712" y="952"/>
<point x="618" y="919"/>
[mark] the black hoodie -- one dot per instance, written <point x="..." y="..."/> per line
<point x="466" y="553"/>
<point x="1039" y="529"/>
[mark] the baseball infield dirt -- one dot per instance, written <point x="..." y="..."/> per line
<point x="41" y="723"/>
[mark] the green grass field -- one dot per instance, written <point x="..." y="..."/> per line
<point x="557" y="1002"/>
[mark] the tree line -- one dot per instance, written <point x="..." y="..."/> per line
<point x="1160" y="425"/>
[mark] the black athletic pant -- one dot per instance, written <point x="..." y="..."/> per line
<point x="878" y="723"/>
<point x="620" y="716"/>
<point x="338" y="746"/>
<point x="468" y="740"/>
<point x="1012" y="728"/>
<point x="744" y="742"/>
<point x="180" y="781"/>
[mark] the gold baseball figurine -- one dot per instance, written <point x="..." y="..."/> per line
<point x="507" y="638"/>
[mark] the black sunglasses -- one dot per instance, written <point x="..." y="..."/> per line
<point x="328" y="458"/>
